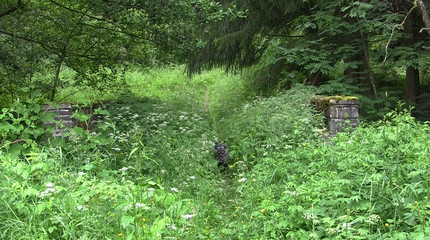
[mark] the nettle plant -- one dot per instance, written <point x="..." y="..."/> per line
<point x="370" y="183"/>
<point x="105" y="179"/>
<point x="273" y="124"/>
<point x="21" y="126"/>
<point x="44" y="198"/>
<point x="154" y="135"/>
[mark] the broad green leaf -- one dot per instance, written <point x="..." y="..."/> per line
<point x="31" y="192"/>
<point x="158" y="226"/>
<point x="52" y="229"/>
<point x="126" y="221"/>
<point x="132" y="151"/>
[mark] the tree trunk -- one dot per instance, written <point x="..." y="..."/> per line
<point x="366" y="62"/>
<point x="63" y="56"/>
<point x="412" y="83"/>
<point x="316" y="78"/>
<point x="412" y="73"/>
<point x="57" y="74"/>
<point x="425" y="14"/>
<point x="363" y="72"/>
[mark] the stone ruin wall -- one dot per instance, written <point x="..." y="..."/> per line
<point x="63" y="118"/>
<point x="340" y="112"/>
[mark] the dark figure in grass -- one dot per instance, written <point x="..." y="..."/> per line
<point x="221" y="155"/>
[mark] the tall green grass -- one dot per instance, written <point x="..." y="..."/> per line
<point x="148" y="171"/>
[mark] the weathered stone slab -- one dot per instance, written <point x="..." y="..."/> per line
<point x="340" y="112"/>
<point x="63" y="120"/>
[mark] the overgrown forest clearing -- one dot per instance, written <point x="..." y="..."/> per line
<point x="196" y="119"/>
<point x="148" y="171"/>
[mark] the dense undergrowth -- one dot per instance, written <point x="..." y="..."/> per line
<point x="148" y="171"/>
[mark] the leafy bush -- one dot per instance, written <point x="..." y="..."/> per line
<point x="367" y="184"/>
<point x="21" y="126"/>
<point x="148" y="171"/>
<point x="271" y="124"/>
<point x="43" y="198"/>
<point x="149" y="180"/>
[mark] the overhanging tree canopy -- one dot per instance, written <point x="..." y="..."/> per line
<point x="92" y="35"/>
<point x="314" y="36"/>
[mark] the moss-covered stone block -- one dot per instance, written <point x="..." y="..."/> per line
<point x="340" y="112"/>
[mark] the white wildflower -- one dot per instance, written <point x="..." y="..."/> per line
<point x="140" y="205"/>
<point x="346" y="226"/>
<point x="49" y="185"/>
<point x="81" y="208"/>
<point x="47" y="191"/>
<point x="188" y="216"/>
<point x="292" y="193"/>
<point x="174" y="189"/>
<point x="43" y="194"/>
<point x="192" y="177"/>
<point x="373" y="219"/>
<point x="242" y="180"/>
<point x="173" y="227"/>
<point x="308" y="216"/>
<point x="151" y="189"/>
<point x="313" y="235"/>
<point x="81" y="173"/>
<point x="331" y="231"/>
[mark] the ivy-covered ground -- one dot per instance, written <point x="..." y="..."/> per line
<point x="148" y="171"/>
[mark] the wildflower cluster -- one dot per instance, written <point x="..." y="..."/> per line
<point x="373" y="219"/>
<point x="292" y="193"/>
<point x="48" y="191"/>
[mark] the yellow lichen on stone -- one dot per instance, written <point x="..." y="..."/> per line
<point x="323" y="102"/>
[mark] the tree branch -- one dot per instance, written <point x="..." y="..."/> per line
<point x="394" y="29"/>
<point x="120" y="31"/>
<point x="19" y="37"/>
<point x="12" y="9"/>
<point x="425" y="14"/>
<point x="10" y="143"/>
<point x="43" y="45"/>
<point x="82" y="13"/>
<point x="285" y="36"/>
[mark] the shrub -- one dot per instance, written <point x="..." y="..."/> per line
<point x="367" y="184"/>
<point x="271" y="124"/>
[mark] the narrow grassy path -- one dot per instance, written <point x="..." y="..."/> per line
<point x="180" y="139"/>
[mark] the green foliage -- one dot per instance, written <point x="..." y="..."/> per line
<point x="43" y="198"/>
<point x="118" y="178"/>
<point x="311" y="36"/>
<point x="97" y="39"/>
<point x="226" y="95"/>
<point x="270" y="124"/>
<point x="354" y="43"/>
<point x="21" y="126"/>
<point x="370" y="109"/>
<point x="147" y="171"/>
<point x="363" y="185"/>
